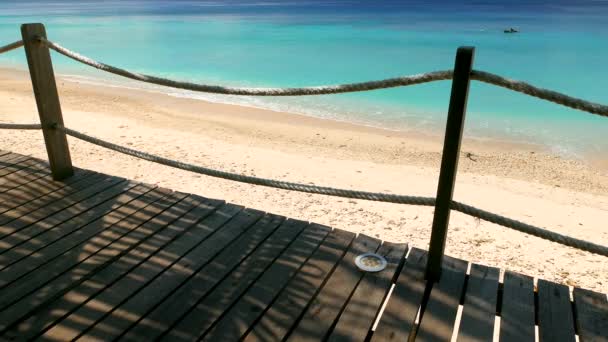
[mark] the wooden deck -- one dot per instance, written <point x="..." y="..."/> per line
<point x="102" y="257"/>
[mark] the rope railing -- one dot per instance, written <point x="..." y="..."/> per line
<point x="482" y="76"/>
<point x="216" y="89"/>
<point x="20" y="126"/>
<point x="545" y="94"/>
<point x="329" y="191"/>
<point x="11" y="46"/>
<point x="518" y="86"/>
<point x="334" y="89"/>
<point x="363" y="195"/>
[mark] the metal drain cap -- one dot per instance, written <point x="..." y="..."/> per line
<point x="370" y="262"/>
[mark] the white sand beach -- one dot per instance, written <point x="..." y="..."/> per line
<point x="519" y="181"/>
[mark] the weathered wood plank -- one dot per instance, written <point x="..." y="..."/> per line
<point x="517" y="314"/>
<point x="479" y="310"/>
<point x="25" y="167"/>
<point x="555" y="319"/>
<point x="4" y="155"/>
<point x="591" y="315"/>
<point x="199" y="302"/>
<point x="145" y="264"/>
<point x="47" y="100"/>
<point x="325" y="307"/>
<point x="12" y="164"/>
<point x="360" y="313"/>
<point x="15" y="220"/>
<point x="290" y="301"/>
<point x="17" y="246"/>
<point x="37" y="190"/>
<point x="113" y="295"/>
<point x="438" y="319"/>
<point x="397" y="321"/>
<point x="277" y="275"/>
<point x="32" y="170"/>
<point x="55" y="242"/>
<point x="32" y="199"/>
<point x="30" y="317"/>
<point x="215" y="257"/>
<point x="21" y="179"/>
<point x="77" y="262"/>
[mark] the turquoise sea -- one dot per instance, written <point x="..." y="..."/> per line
<point x="563" y="45"/>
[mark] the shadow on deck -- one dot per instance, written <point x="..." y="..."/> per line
<point x="98" y="257"/>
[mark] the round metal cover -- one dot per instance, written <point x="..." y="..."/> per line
<point x="370" y="262"/>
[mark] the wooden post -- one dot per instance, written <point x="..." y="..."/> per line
<point x="47" y="100"/>
<point x="449" y="159"/>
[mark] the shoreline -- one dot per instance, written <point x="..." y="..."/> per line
<point x="519" y="181"/>
<point x="424" y="142"/>
<point x="427" y="135"/>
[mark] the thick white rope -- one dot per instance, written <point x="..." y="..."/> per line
<point x="19" y="126"/>
<point x="545" y="94"/>
<point x="395" y="82"/>
<point x="371" y="196"/>
<point x="529" y="229"/>
<point x="11" y="46"/>
<point x="482" y="76"/>
<point x="318" y="90"/>
<point x="428" y="201"/>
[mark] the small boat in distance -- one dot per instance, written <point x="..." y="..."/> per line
<point x="511" y="30"/>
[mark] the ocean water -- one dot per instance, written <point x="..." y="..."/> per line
<point x="563" y="45"/>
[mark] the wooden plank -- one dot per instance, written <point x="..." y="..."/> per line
<point x="279" y="272"/>
<point x="398" y="318"/>
<point x="326" y="306"/>
<point x="479" y="310"/>
<point x="290" y="300"/>
<point x="355" y="323"/>
<point x="555" y="319"/>
<point x="25" y="181"/>
<point x="97" y="307"/>
<point x="47" y="100"/>
<point x="8" y="156"/>
<point x="31" y="239"/>
<point x="517" y="314"/>
<point x="36" y="190"/>
<point x="13" y="165"/>
<point x="26" y="167"/>
<point x="591" y="315"/>
<point x="438" y="319"/>
<point x="199" y="302"/>
<point x="211" y="258"/>
<point x="34" y="199"/>
<point x="30" y="317"/>
<point x="18" y="219"/>
<point x="31" y="224"/>
<point x="449" y="159"/>
<point x="3" y="156"/>
<point x="75" y="263"/>
<point x="32" y="170"/>
<point x="55" y="242"/>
